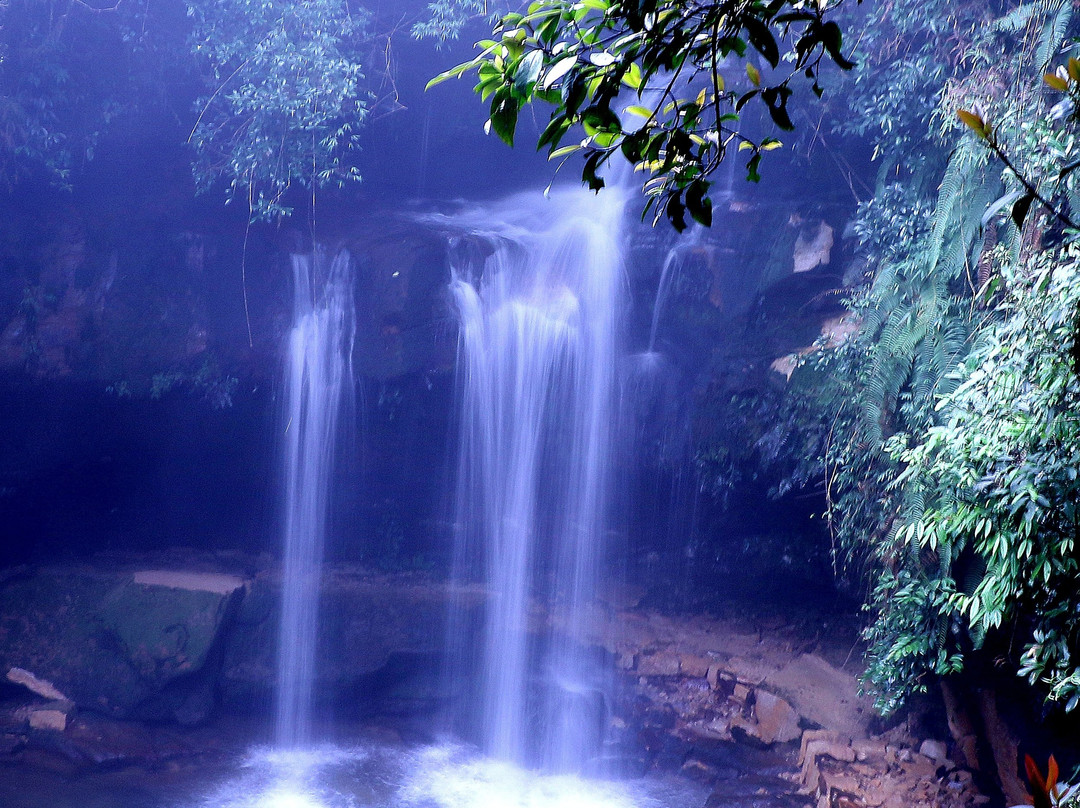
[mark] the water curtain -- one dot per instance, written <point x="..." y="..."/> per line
<point x="318" y="389"/>
<point x="538" y="286"/>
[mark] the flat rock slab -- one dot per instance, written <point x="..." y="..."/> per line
<point x="126" y="645"/>
<point x="364" y="622"/>
<point x="213" y="582"/>
<point x="824" y="695"/>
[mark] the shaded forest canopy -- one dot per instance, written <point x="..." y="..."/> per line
<point x="943" y="424"/>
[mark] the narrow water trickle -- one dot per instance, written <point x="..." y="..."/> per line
<point x="318" y="389"/>
<point x="674" y="264"/>
<point x="538" y="286"/>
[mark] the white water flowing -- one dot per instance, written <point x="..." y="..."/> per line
<point x="663" y="290"/>
<point x="674" y="264"/>
<point x="318" y="385"/>
<point x="537" y="356"/>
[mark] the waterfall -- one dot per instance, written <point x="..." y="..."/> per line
<point x="318" y="386"/>
<point x="538" y="287"/>
<point x="675" y="262"/>
<point x="667" y="274"/>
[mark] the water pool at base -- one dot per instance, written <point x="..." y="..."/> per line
<point x="365" y="776"/>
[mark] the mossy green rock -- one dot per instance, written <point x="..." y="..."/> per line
<point x="130" y="645"/>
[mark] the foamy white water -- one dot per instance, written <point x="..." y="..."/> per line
<point x="315" y="777"/>
<point x="318" y="384"/>
<point x="539" y="315"/>
<point x="438" y="776"/>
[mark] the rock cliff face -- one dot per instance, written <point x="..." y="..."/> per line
<point x="157" y="319"/>
<point x="139" y="402"/>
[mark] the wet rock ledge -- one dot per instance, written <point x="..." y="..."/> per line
<point x="106" y="664"/>
<point x="719" y="689"/>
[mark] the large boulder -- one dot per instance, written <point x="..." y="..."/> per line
<point x="141" y="644"/>
<point x="366" y="623"/>
<point x="773" y="721"/>
<point x="826" y="696"/>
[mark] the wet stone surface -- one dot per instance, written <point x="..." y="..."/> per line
<point x="752" y="715"/>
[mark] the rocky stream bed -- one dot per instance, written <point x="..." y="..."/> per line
<point x="126" y="671"/>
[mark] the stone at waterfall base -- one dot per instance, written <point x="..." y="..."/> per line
<point x="760" y="705"/>
<point x="50" y="720"/>
<point x="35" y="685"/>
<point x="773" y="721"/>
<point x="129" y="644"/>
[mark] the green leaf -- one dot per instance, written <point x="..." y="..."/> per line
<point x="762" y="39"/>
<point x="675" y="211"/>
<point x="599" y="118"/>
<point x="528" y="71"/>
<point x="558" y="70"/>
<point x="776" y="99"/>
<point x="504" y="115"/>
<point x="589" y="171"/>
<point x="832" y="38"/>
<point x="752" y="168"/>
<point x="563" y="151"/>
<point x="699" y="205"/>
<point x="639" y="111"/>
<point x="744" y="98"/>
<point x="553" y="133"/>
<point x="633" y="146"/>
<point x="452" y="73"/>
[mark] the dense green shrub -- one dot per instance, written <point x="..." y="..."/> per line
<point x="952" y="448"/>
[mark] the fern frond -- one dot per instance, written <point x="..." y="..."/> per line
<point x="1053" y="34"/>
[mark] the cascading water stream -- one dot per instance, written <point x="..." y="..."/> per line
<point x="539" y="290"/>
<point x="318" y="388"/>
<point x="674" y="263"/>
<point x="667" y="275"/>
<point x="537" y="355"/>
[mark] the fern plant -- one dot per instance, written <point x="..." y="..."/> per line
<point x="933" y="589"/>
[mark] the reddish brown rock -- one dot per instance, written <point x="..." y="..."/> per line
<point x="776" y="719"/>
<point x="694" y="665"/>
<point x="659" y="664"/>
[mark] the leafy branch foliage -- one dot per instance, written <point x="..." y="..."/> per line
<point x="692" y="68"/>
<point x="447" y="18"/>
<point x="1001" y="474"/>
<point x="952" y="457"/>
<point x="286" y="103"/>
<point x="283" y="87"/>
<point x="908" y="51"/>
<point x="68" y="69"/>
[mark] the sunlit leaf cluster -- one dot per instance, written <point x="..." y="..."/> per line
<point x="666" y="84"/>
